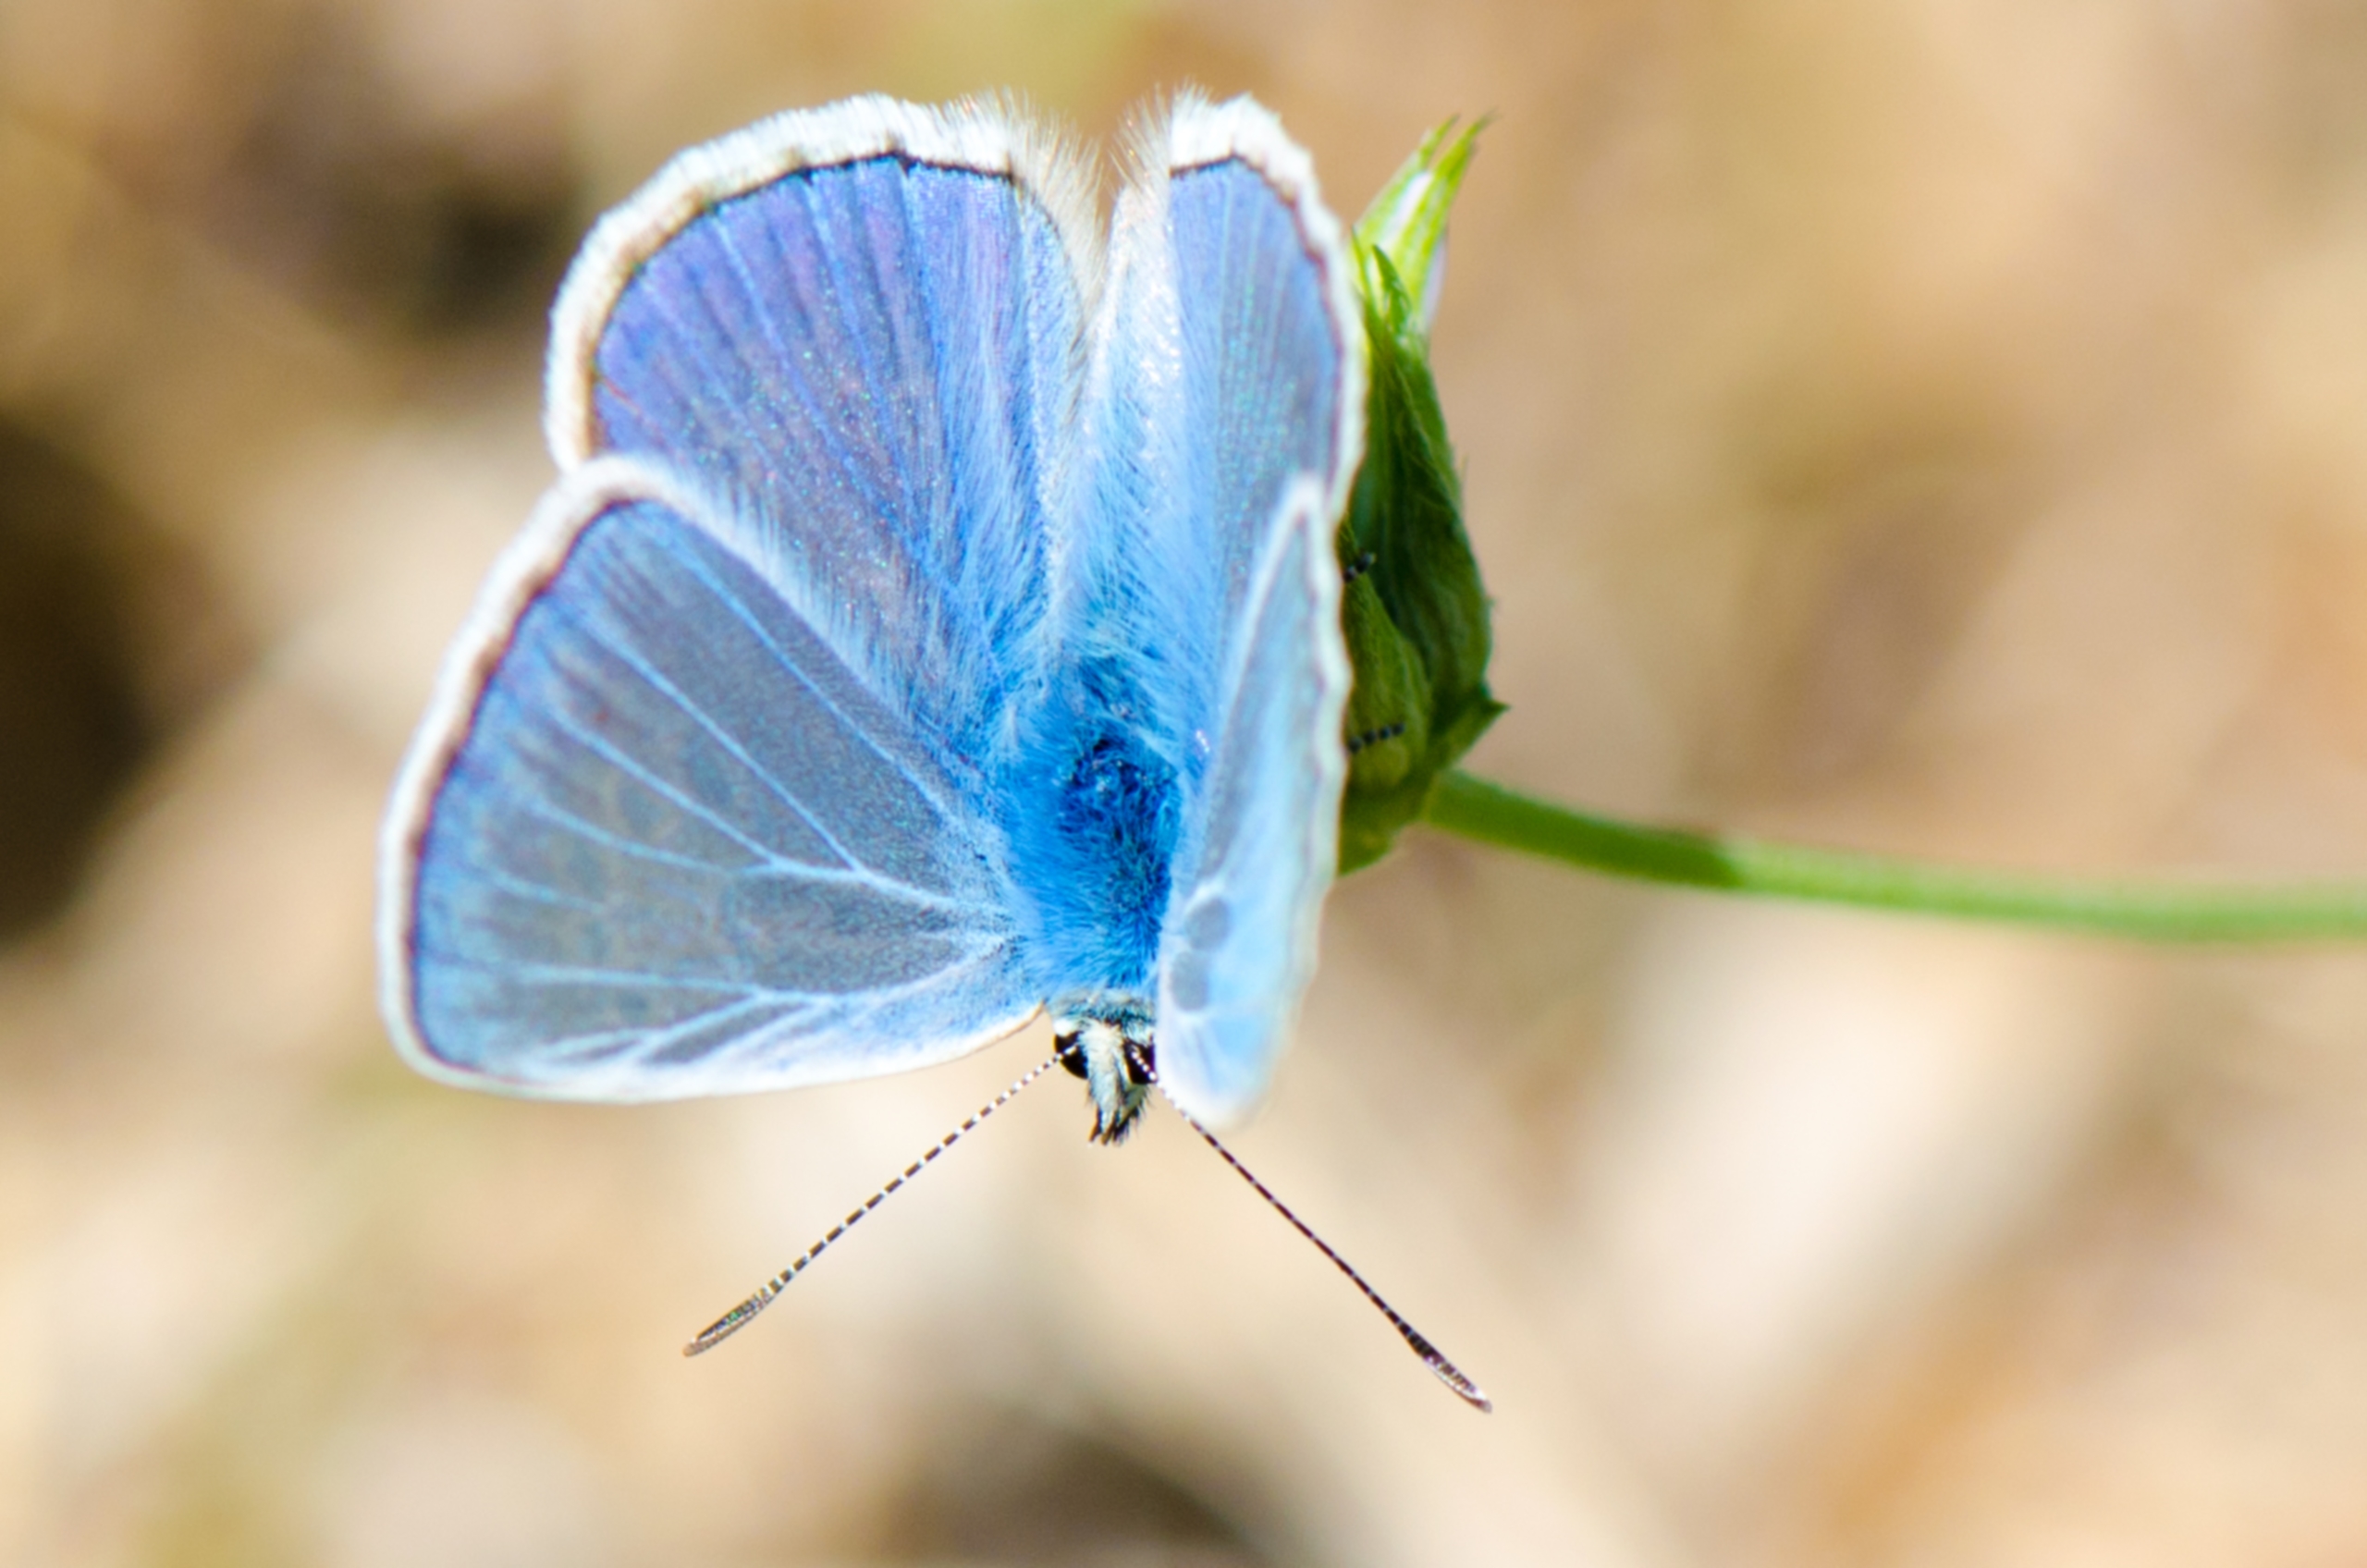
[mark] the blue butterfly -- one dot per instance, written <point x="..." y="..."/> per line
<point x="935" y="623"/>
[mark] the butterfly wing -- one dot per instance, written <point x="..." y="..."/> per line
<point x="1238" y="947"/>
<point x="657" y="839"/>
<point x="1226" y="414"/>
<point x="859" y="330"/>
<point x="704" y="801"/>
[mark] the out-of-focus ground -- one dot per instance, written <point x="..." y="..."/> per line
<point x="1934" y="426"/>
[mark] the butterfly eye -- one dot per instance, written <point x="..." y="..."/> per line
<point x="1069" y="1053"/>
<point x="1142" y="1067"/>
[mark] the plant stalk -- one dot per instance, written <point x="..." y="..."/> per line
<point x="2153" y="910"/>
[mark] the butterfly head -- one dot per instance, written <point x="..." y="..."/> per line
<point x="1107" y="1042"/>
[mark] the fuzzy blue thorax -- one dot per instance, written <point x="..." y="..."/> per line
<point x="1094" y="829"/>
<point x="1094" y="815"/>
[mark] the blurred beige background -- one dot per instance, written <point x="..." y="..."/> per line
<point x="1933" y="425"/>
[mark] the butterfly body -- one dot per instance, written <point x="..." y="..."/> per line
<point x="1093" y="830"/>
<point x="935" y="623"/>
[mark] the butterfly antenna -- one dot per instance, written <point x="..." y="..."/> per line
<point x="739" y="1316"/>
<point x="1447" y="1372"/>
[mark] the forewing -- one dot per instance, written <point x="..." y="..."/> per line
<point x="858" y="329"/>
<point x="1228" y="365"/>
<point x="1224" y="415"/>
<point x="1239" y="944"/>
<point x="656" y="838"/>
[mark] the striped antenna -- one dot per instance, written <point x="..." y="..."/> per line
<point x="742" y="1315"/>
<point x="1447" y="1372"/>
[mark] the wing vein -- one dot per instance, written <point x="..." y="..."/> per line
<point x="601" y="746"/>
<point x="793" y="374"/>
<point x="592" y="975"/>
<point x="552" y="812"/>
<point x="616" y="1042"/>
<point x="855" y="871"/>
<point x="747" y="619"/>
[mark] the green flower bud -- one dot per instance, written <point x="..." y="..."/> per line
<point x="1415" y="612"/>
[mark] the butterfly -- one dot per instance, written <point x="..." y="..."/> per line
<point x="935" y="623"/>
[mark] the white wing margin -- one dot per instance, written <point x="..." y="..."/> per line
<point x="1239" y="944"/>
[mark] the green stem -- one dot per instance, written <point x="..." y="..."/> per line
<point x="2158" y="912"/>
